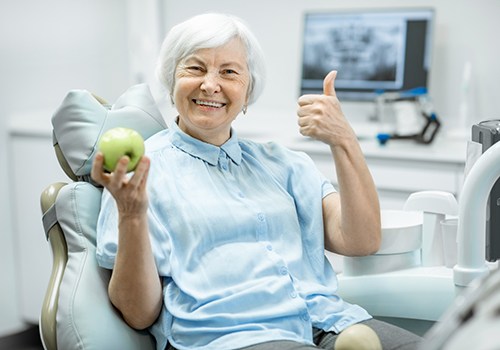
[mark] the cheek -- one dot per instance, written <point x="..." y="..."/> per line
<point x="242" y="89"/>
<point x="182" y="88"/>
<point x="176" y="95"/>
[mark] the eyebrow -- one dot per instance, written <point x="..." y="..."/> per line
<point x="195" y="58"/>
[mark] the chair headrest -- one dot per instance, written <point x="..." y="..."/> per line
<point x="82" y="118"/>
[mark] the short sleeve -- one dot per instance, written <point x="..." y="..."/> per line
<point x="327" y="187"/>
<point x="107" y="236"/>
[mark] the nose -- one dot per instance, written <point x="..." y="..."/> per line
<point x="211" y="83"/>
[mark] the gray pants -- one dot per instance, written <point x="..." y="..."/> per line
<point x="391" y="337"/>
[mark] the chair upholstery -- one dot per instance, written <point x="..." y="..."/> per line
<point x="76" y="313"/>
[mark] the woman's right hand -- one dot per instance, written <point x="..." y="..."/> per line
<point x="135" y="287"/>
<point x="129" y="192"/>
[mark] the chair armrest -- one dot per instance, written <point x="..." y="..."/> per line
<point x="59" y="250"/>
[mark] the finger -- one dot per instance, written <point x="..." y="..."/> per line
<point x="141" y="172"/>
<point x="119" y="173"/>
<point x="306" y="99"/>
<point x="305" y="130"/>
<point x="304" y="111"/>
<point x="96" y="173"/>
<point x="302" y="120"/>
<point x="145" y="175"/>
<point x="328" y="84"/>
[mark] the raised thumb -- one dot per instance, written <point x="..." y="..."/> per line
<point x="329" y="83"/>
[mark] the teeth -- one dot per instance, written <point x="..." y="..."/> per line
<point x="209" y="103"/>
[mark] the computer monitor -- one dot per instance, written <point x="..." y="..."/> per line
<point x="373" y="51"/>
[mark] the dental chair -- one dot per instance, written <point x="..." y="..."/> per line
<point x="76" y="312"/>
<point x="406" y="282"/>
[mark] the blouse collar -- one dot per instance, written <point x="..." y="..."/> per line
<point x="205" y="151"/>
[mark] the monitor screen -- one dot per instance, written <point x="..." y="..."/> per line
<point x="372" y="50"/>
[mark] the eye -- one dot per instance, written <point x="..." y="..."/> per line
<point x="229" y="73"/>
<point x="195" y="69"/>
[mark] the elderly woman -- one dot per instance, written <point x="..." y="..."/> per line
<point x="216" y="242"/>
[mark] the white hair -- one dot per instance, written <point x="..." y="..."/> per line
<point x="206" y="31"/>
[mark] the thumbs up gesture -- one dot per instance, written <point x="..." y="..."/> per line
<point x="321" y="117"/>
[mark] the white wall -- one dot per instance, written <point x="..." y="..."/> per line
<point x="47" y="48"/>
<point x="465" y="31"/>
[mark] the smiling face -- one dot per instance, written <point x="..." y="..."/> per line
<point x="211" y="88"/>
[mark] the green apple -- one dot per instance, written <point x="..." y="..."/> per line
<point x="358" y="337"/>
<point x="118" y="142"/>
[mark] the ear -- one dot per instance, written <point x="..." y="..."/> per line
<point x="249" y="89"/>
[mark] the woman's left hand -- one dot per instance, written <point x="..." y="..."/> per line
<point x="321" y="117"/>
<point x="346" y="231"/>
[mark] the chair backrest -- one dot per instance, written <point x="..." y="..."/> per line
<point x="76" y="313"/>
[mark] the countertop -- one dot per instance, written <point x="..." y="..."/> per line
<point x="281" y="126"/>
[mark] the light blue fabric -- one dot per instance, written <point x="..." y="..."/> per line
<point x="237" y="234"/>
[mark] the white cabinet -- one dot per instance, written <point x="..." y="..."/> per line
<point x="402" y="167"/>
<point x="33" y="166"/>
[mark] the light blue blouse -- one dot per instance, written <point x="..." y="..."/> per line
<point x="237" y="234"/>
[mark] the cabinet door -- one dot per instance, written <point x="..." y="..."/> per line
<point x="32" y="167"/>
<point x="396" y="179"/>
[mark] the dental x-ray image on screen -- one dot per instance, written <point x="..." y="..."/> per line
<point x="373" y="51"/>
